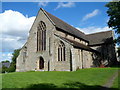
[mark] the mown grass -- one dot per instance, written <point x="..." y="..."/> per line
<point x="0" y="81"/>
<point x="58" y="79"/>
<point x="116" y="83"/>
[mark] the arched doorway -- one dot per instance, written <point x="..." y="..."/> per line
<point x="41" y="63"/>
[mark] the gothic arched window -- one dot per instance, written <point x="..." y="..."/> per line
<point x="24" y="53"/>
<point x="41" y="36"/>
<point x="61" y="51"/>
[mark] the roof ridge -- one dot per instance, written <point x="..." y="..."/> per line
<point x="99" y="32"/>
<point x="63" y="21"/>
<point x="69" y="25"/>
<point x="65" y="27"/>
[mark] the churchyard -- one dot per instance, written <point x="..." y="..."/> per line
<point x="83" y="79"/>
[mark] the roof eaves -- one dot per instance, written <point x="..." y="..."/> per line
<point x="76" y="46"/>
<point x="99" y="32"/>
<point x="64" y="39"/>
<point x="71" y="34"/>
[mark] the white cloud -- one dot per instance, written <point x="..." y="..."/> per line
<point x="67" y="5"/>
<point x="9" y="55"/>
<point x="14" y="27"/>
<point x="42" y="4"/>
<point x="3" y="55"/>
<point x="6" y="56"/>
<point x="90" y="30"/>
<point x="90" y="15"/>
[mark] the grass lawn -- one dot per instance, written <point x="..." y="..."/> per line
<point x="58" y="79"/>
<point x="116" y="83"/>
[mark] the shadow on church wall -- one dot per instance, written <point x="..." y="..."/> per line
<point x="96" y="60"/>
<point x="107" y="55"/>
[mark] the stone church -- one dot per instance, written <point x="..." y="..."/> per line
<point x="54" y="45"/>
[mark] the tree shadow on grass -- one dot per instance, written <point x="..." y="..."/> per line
<point x="82" y="86"/>
<point x="42" y="85"/>
<point x="70" y="85"/>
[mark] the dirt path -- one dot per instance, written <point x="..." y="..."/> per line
<point x="109" y="83"/>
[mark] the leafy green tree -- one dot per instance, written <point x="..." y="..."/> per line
<point x="4" y="69"/>
<point x="12" y="67"/>
<point x="114" y="21"/>
<point x="15" y="54"/>
<point x="5" y="61"/>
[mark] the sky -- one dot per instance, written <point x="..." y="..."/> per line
<point x="17" y="17"/>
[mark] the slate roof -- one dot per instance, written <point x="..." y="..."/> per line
<point x="93" y="39"/>
<point x="78" y="45"/>
<point x="100" y="38"/>
<point x="63" y="26"/>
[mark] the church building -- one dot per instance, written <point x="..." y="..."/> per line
<point x="54" y="45"/>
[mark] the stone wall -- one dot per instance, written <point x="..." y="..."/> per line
<point x="20" y="63"/>
<point x="31" y="62"/>
<point x="108" y="53"/>
<point x="87" y="59"/>
<point x="61" y="65"/>
<point x="81" y="59"/>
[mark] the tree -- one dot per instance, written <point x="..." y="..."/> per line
<point x="114" y="21"/>
<point x="4" y="69"/>
<point x="5" y="66"/>
<point x="5" y="61"/>
<point x="12" y="67"/>
<point x="15" y="54"/>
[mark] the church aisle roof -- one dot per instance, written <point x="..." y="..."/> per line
<point x="63" y="26"/>
<point x="100" y="38"/>
<point x="78" y="45"/>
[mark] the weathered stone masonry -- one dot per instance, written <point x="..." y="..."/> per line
<point x="65" y="47"/>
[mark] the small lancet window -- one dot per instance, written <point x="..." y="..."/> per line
<point x="24" y="53"/>
<point x="61" y="51"/>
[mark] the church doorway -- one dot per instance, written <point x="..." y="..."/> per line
<point x="41" y="63"/>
